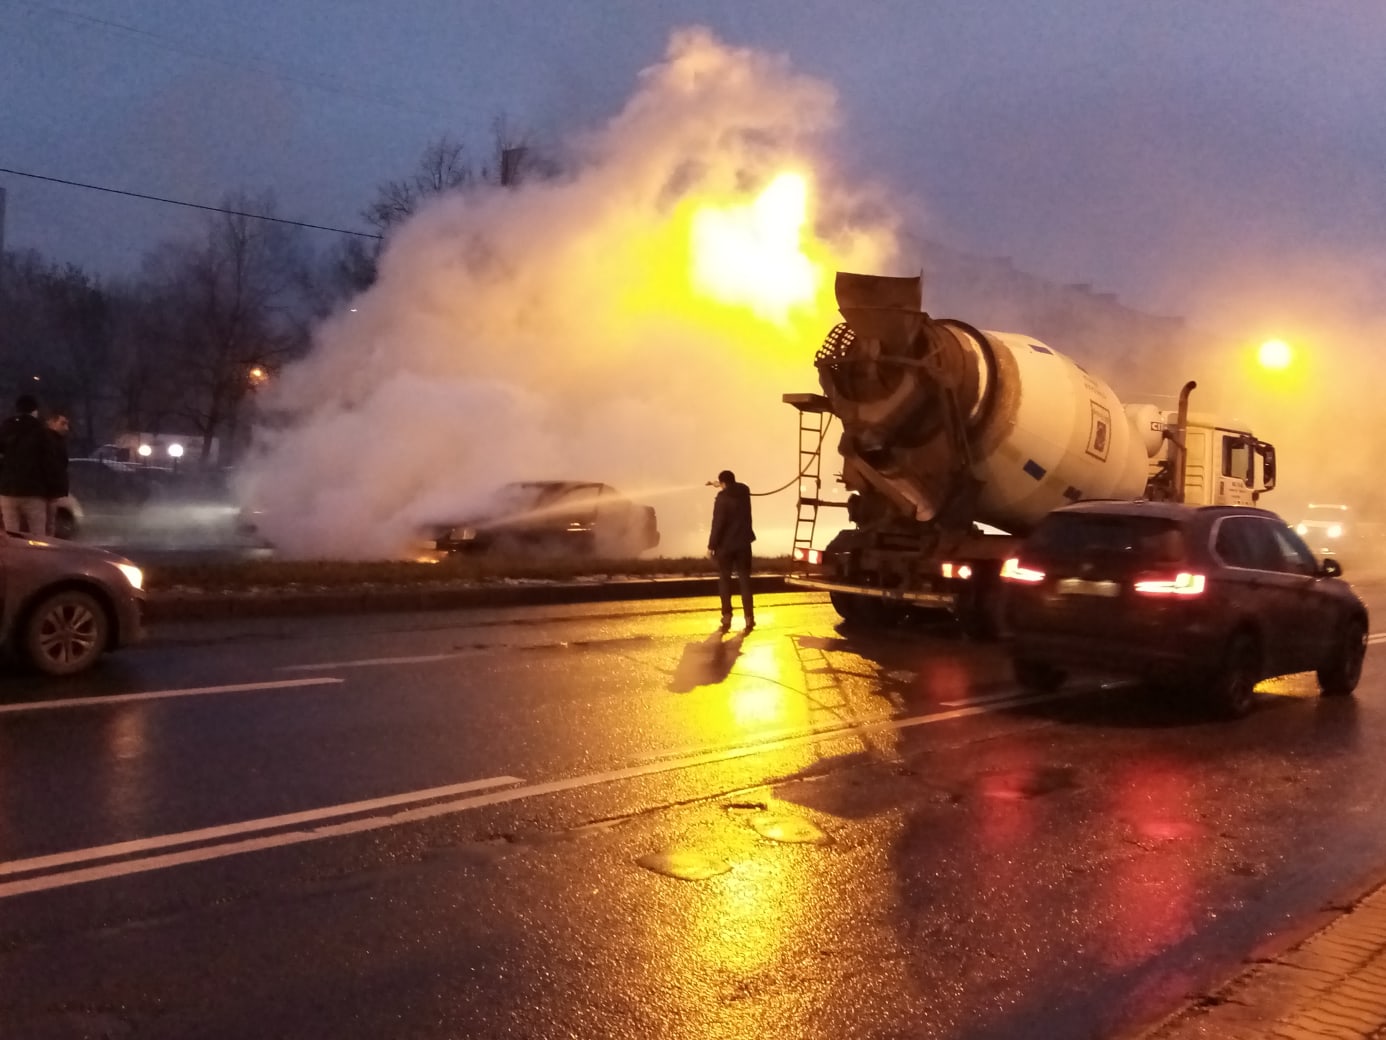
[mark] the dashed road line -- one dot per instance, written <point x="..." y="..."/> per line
<point x="220" y="850"/>
<point x="157" y="695"/>
<point x="266" y="823"/>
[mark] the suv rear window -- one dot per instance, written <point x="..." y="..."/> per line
<point x="1143" y="539"/>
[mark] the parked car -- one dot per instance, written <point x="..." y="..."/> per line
<point x="554" y="517"/>
<point x="1215" y="597"/>
<point x="63" y="605"/>
<point x="122" y="503"/>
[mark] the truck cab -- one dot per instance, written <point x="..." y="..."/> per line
<point x="1224" y="464"/>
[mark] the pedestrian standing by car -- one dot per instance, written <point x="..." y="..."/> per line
<point x="55" y="466"/>
<point x="729" y="543"/>
<point x="23" y="468"/>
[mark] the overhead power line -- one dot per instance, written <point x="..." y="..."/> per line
<point x="189" y="205"/>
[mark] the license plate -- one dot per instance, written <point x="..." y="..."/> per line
<point x="1083" y="587"/>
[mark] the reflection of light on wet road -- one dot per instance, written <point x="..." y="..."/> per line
<point x="1150" y="888"/>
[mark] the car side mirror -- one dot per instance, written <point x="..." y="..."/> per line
<point x="1331" y="569"/>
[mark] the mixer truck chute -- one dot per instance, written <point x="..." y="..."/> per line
<point x="956" y="442"/>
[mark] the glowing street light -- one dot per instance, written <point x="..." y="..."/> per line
<point x="257" y="375"/>
<point x="1275" y="354"/>
<point x="144" y="451"/>
<point x="175" y="451"/>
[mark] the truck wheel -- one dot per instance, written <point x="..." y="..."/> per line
<point x="1339" y="676"/>
<point x="65" y="632"/>
<point x="1036" y="676"/>
<point x="1232" y="689"/>
<point x="864" y="610"/>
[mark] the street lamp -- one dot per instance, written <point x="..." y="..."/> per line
<point x="144" y="451"/>
<point x="1275" y="354"/>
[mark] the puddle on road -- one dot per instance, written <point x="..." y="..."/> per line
<point x="684" y="864"/>
<point x="788" y="830"/>
<point x="1021" y="784"/>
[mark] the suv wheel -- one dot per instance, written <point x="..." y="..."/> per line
<point x="1339" y="675"/>
<point x="1036" y="676"/>
<point x="65" y="632"/>
<point x="1233" y="688"/>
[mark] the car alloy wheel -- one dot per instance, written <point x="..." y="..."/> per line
<point x="1234" y="686"/>
<point x="66" y="632"/>
<point x="1339" y="677"/>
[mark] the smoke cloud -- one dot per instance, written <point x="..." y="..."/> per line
<point x="556" y="330"/>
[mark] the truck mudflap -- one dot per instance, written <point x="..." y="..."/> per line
<point x="943" y="600"/>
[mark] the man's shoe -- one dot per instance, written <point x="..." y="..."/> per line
<point x="750" y="623"/>
<point x="725" y="625"/>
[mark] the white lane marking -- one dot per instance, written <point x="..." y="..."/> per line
<point x="368" y="662"/>
<point x="156" y="695"/>
<point x="63" y="879"/>
<point x="265" y="823"/>
<point x="1377" y="637"/>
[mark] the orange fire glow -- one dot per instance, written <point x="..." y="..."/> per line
<point x="753" y="254"/>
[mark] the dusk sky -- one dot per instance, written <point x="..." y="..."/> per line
<point x="1151" y="149"/>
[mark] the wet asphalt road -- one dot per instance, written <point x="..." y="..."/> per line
<point x="610" y="821"/>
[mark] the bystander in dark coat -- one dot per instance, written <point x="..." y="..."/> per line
<point x="729" y="543"/>
<point x="24" y="470"/>
<point x="55" y="478"/>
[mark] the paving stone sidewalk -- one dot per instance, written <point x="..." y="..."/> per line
<point x="1329" y="985"/>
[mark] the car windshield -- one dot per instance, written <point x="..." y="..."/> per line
<point x="1144" y="539"/>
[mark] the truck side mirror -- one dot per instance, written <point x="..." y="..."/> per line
<point x="1331" y="568"/>
<point x="1267" y="453"/>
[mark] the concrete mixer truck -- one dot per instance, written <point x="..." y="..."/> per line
<point x="956" y="442"/>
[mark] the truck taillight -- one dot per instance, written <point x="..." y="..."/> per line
<point x="961" y="571"/>
<point x="1182" y="584"/>
<point x="808" y="555"/>
<point x="1011" y="570"/>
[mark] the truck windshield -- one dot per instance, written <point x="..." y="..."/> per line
<point x="1144" y="539"/>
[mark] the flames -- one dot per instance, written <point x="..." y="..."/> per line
<point x="756" y="254"/>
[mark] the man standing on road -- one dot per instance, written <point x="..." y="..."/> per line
<point x="23" y="469"/>
<point x="729" y="543"/>
<point x="55" y="465"/>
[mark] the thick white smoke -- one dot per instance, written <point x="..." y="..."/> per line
<point x="552" y="331"/>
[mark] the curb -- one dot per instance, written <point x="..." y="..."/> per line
<point x="214" y="606"/>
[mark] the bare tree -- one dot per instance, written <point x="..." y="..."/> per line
<point x="222" y="307"/>
<point x="443" y="167"/>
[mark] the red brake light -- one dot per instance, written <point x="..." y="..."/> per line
<point x="809" y="555"/>
<point x="1011" y="570"/>
<point x="1182" y="584"/>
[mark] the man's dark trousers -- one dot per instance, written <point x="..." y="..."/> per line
<point x="738" y="560"/>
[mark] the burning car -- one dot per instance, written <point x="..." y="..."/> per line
<point x="554" y="518"/>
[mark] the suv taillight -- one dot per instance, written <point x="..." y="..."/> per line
<point x="1182" y="584"/>
<point x="1011" y="570"/>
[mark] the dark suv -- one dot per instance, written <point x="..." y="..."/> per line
<point x="1216" y="597"/>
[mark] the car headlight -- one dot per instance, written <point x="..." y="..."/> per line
<point x="1301" y="529"/>
<point x="1335" y="531"/>
<point x="133" y="574"/>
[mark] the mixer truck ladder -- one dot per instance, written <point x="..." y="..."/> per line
<point x="814" y="417"/>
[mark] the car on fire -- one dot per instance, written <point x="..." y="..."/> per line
<point x="1212" y="598"/>
<point x="554" y="518"/>
<point x="63" y="605"/>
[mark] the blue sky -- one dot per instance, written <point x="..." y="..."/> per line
<point x="1147" y="148"/>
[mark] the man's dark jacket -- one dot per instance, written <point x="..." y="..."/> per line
<point x="731" y="520"/>
<point x="25" y="467"/>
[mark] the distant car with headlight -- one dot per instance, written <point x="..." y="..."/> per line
<point x="554" y="518"/>
<point x="1211" y="598"/>
<point x="64" y="605"/>
<point x="1328" y="529"/>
